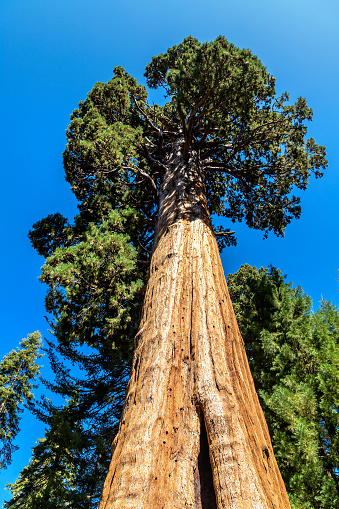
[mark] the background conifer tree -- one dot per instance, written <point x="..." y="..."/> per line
<point x="18" y="371"/>
<point x="294" y="359"/>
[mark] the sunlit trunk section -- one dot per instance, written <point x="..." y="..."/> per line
<point x="192" y="433"/>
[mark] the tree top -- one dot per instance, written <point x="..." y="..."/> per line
<point x="251" y="144"/>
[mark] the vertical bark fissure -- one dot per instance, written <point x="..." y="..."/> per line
<point x="203" y="479"/>
<point x="233" y="469"/>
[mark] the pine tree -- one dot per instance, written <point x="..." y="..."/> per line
<point x="69" y="464"/>
<point x="18" y="371"/>
<point x="294" y="357"/>
<point x="148" y="178"/>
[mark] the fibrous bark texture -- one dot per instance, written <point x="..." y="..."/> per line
<point x="192" y="433"/>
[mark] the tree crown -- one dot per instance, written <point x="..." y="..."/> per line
<point x="222" y="104"/>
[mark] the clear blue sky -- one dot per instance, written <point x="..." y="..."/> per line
<point x="52" y="53"/>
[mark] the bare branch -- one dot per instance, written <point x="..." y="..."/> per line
<point x="181" y="114"/>
<point x="149" y="142"/>
<point x="144" y="114"/>
<point x="230" y="171"/>
<point x="147" y="178"/>
<point x="167" y="123"/>
<point x="208" y="112"/>
<point x="223" y="234"/>
<point x="216" y="149"/>
<point x="144" y="262"/>
<point x="215" y="166"/>
<point x="156" y="165"/>
<point x="206" y="133"/>
<point x="189" y="121"/>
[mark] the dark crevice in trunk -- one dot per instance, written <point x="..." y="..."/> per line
<point x="203" y="477"/>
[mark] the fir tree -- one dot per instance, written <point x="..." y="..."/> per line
<point x="18" y="371"/>
<point x="69" y="464"/>
<point x="294" y="358"/>
<point x="148" y="178"/>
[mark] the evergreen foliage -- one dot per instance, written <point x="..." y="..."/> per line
<point x="254" y="153"/>
<point x="69" y="464"/>
<point x="18" y="371"/>
<point x="92" y="284"/>
<point x="294" y="358"/>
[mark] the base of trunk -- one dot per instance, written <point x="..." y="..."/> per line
<point x="192" y="433"/>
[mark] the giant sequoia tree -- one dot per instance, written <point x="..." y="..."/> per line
<point x="148" y="179"/>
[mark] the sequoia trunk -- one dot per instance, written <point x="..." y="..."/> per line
<point x="192" y="433"/>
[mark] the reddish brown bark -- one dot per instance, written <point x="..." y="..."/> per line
<point x="192" y="433"/>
